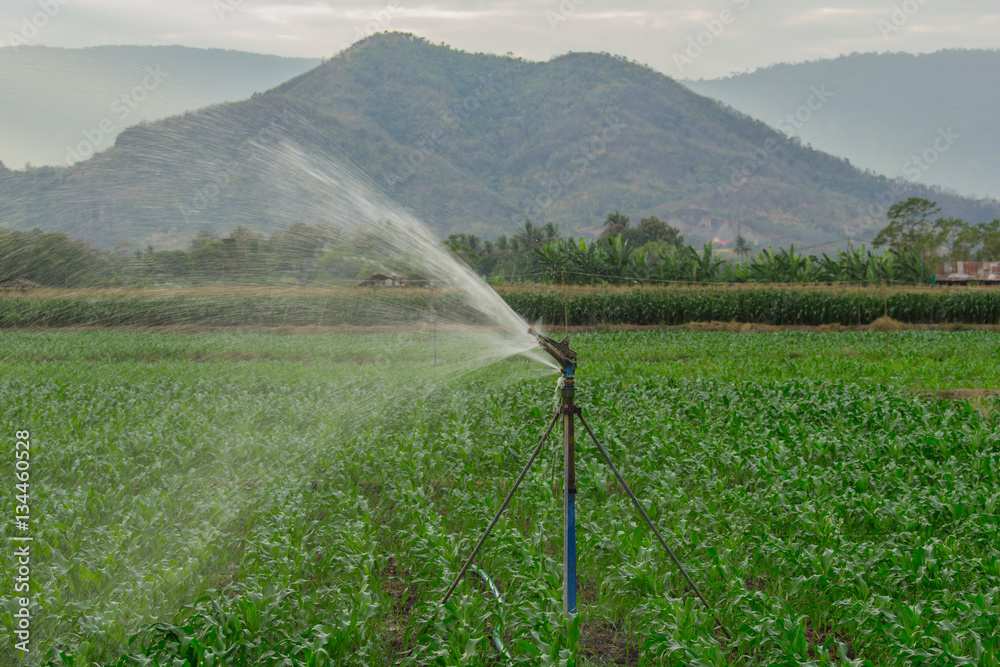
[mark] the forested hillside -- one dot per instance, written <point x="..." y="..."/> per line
<point x="884" y="110"/>
<point x="471" y="143"/>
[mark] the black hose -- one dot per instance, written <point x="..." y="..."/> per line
<point x="497" y="643"/>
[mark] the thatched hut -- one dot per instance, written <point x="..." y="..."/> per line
<point x="383" y="280"/>
<point x="17" y="284"/>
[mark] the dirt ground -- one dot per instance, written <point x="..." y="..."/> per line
<point x="881" y="324"/>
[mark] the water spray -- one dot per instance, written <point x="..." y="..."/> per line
<point x="569" y="411"/>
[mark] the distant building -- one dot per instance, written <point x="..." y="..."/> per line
<point x="383" y="280"/>
<point x="17" y="284"/>
<point x="963" y="273"/>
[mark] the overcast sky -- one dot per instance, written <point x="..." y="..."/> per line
<point x="682" y="38"/>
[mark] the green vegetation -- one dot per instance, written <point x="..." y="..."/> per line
<point x="297" y="255"/>
<point x="654" y="251"/>
<point x="280" y="500"/>
<point x="53" y="259"/>
<point x="651" y="252"/>
<point x="911" y="228"/>
<point x="269" y="307"/>
<point x="614" y="261"/>
<point x="475" y="143"/>
<point x="229" y="307"/>
<point x="804" y="306"/>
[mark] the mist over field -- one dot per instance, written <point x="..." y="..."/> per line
<point x="481" y="333"/>
<point x="56" y="99"/>
<point x="886" y="112"/>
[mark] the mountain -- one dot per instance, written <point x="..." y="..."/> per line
<point x="55" y="99"/>
<point x="470" y="143"/>
<point x="884" y="111"/>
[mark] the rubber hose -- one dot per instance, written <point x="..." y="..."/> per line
<point x="499" y="598"/>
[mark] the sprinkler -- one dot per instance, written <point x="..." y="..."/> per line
<point x="566" y="358"/>
<point x="570" y="411"/>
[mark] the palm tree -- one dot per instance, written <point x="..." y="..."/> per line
<point x="615" y="224"/>
<point x="742" y="248"/>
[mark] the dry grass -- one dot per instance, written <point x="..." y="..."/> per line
<point x="554" y="329"/>
<point x="885" y="324"/>
<point x="747" y="327"/>
<point x="983" y="401"/>
<point x="833" y="288"/>
<point x="207" y="291"/>
<point x="961" y="394"/>
<point x="750" y="327"/>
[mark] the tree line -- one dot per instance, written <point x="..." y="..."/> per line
<point x="651" y="251"/>
<point x="912" y="245"/>
<point x="302" y="254"/>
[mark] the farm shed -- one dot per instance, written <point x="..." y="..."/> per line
<point x="17" y="284"/>
<point x="962" y="273"/>
<point x="383" y="280"/>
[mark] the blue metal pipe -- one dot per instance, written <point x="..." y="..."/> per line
<point x="569" y="556"/>
<point x="569" y="488"/>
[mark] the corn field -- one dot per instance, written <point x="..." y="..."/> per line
<point x="811" y="306"/>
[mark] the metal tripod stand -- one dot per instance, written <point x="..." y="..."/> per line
<point x="569" y="411"/>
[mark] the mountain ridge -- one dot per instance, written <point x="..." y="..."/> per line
<point x="474" y="143"/>
<point x="885" y="109"/>
<point x="38" y="125"/>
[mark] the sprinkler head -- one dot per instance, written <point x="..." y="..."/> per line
<point x="565" y="357"/>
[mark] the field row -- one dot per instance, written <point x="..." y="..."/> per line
<point x="413" y="307"/>
<point x="252" y="499"/>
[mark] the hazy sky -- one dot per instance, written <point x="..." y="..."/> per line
<point x="682" y="38"/>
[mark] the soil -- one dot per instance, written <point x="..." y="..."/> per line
<point x="958" y="394"/>
<point x="881" y="324"/>
<point x="395" y="585"/>
<point x="607" y="644"/>
<point x="817" y="635"/>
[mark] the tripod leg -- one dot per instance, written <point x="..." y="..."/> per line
<point x="503" y="507"/>
<point x="652" y="526"/>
